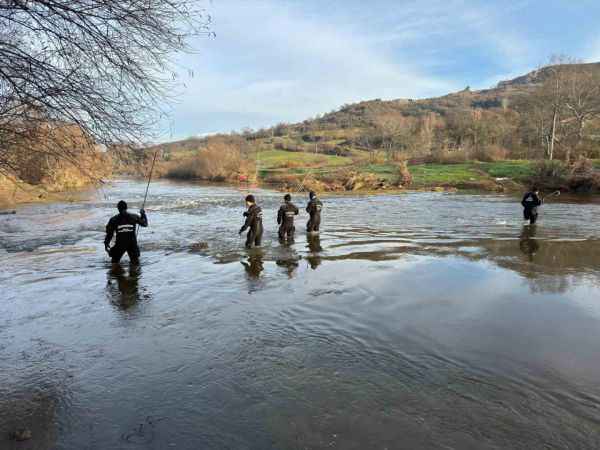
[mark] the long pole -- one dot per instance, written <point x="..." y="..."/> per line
<point x="149" y="180"/>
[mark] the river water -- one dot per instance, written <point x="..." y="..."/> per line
<point x="415" y="321"/>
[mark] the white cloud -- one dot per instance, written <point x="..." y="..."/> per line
<point x="269" y="60"/>
<point x="276" y="60"/>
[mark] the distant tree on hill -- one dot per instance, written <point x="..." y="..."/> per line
<point x="563" y="105"/>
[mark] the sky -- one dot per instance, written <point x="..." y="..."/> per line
<point x="274" y="61"/>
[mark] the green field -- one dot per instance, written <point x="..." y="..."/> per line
<point x="424" y="175"/>
<point x="280" y="159"/>
<point x="454" y="174"/>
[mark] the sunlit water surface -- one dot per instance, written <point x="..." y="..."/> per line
<point x="415" y="321"/>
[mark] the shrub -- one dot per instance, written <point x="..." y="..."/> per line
<point x="219" y="161"/>
<point x="549" y="174"/>
<point x="583" y="177"/>
<point x="404" y="175"/>
<point x="443" y="156"/>
<point x="490" y="153"/>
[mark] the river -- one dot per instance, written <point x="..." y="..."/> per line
<point x="415" y="321"/>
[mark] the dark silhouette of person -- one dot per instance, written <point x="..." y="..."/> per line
<point x="527" y="241"/>
<point x="314" y="245"/>
<point x="289" y="264"/>
<point x="285" y="218"/>
<point x="253" y="223"/>
<point x="530" y="203"/>
<point x="127" y="292"/>
<point x="313" y="208"/>
<point x="254" y="266"/>
<point x="124" y="226"/>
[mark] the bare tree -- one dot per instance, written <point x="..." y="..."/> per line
<point x="566" y="100"/>
<point x="103" y="66"/>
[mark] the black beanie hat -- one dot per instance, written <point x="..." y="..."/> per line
<point x="312" y="194"/>
<point x="250" y="198"/>
<point x="122" y="206"/>
<point x="287" y="197"/>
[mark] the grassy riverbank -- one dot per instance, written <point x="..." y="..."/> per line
<point x="281" y="166"/>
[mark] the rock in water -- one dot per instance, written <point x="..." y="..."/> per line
<point x="22" y="434"/>
<point x="198" y="246"/>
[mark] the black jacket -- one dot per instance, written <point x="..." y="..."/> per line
<point x="314" y="207"/>
<point x="531" y="201"/>
<point x="285" y="215"/>
<point x="123" y="224"/>
<point x="253" y="220"/>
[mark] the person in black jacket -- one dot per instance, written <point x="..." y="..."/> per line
<point x="253" y="222"/>
<point x="530" y="202"/>
<point x="124" y="226"/>
<point x="314" y="210"/>
<point x="285" y="218"/>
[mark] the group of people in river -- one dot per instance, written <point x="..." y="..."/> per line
<point x="124" y="225"/>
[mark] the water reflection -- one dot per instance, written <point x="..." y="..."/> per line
<point x="123" y="286"/>
<point x="334" y="359"/>
<point x="254" y="265"/>
<point x="314" y="246"/>
<point x="527" y="241"/>
<point x="288" y="258"/>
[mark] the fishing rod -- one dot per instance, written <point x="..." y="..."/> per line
<point x="553" y="194"/>
<point x="148" y="185"/>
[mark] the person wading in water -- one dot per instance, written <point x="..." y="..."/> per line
<point x="530" y="202"/>
<point x="124" y="226"/>
<point x="253" y="222"/>
<point x="314" y="210"/>
<point x="285" y="218"/>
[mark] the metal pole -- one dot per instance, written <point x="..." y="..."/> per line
<point x="148" y="185"/>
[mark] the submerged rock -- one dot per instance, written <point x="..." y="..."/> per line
<point x="22" y="434"/>
<point x="198" y="246"/>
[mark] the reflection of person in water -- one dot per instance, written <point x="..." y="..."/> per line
<point x="290" y="265"/>
<point x="254" y="266"/>
<point x="314" y="245"/>
<point x="123" y="287"/>
<point x="527" y="241"/>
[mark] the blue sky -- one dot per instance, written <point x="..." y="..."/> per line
<point x="288" y="60"/>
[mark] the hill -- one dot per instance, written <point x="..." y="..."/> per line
<point x="369" y="143"/>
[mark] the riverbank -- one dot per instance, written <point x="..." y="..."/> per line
<point x="331" y="173"/>
<point x="17" y="192"/>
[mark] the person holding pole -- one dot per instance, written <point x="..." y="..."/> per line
<point x="124" y="226"/>
<point x="531" y="201"/>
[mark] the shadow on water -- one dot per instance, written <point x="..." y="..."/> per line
<point x="288" y="258"/>
<point x="527" y="241"/>
<point x="254" y="267"/>
<point x="314" y="247"/>
<point x="123" y="286"/>
<point x="254" y="264"/>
